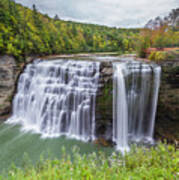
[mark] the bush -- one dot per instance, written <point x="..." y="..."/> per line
<point x="159" y="162"/>
<point x="158" y="56"/>
<point x="152" y="55"/>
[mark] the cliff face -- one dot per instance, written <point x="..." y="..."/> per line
<point x="7" y="84"/>
<point x="104" y="102"/>
<point x="9" y="72"/>
<point x="167" y="120"/>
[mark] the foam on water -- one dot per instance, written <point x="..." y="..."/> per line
<point x="57" y="98"/>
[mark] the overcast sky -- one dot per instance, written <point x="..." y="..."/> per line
<point x="119" y="13"/>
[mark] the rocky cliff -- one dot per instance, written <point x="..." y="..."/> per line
<point x="7" y="84"/>
<point x="9" y="72"/>
<point x="167" y="121"/>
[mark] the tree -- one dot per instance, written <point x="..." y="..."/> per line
<point x="24" y="32"/>
<point x="34" y="8"/>
<point x="56" y="18"/>
<point x="36" y="18"/>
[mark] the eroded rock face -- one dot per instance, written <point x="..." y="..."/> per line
<point x="167" y="120"/>
<point x="104" y="102"/>
<point x="9" y="73"/>
<point x="7" y="83"/>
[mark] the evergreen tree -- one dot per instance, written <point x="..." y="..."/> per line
<point x="56" y="18"/>
<point x="36" y="18"/>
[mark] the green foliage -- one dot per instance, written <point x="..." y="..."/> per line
<point x="159" y="162"/>
<point x="25" y="32"/>
<point x="152" y="55"/>
<point x="165" y="36"/>
<point x="163" y="55"/>
<point x="143" y="44"/>
<point x="158" y="56"/>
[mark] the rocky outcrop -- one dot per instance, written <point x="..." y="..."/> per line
<point x="7" y="84"/>
<point x="9" y="72"/>
<point x="167" y="121"/>
<point x="104" y="102"/>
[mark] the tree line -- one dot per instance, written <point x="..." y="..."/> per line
<point x="160" y="33"/>
<point x="25" y="32"/>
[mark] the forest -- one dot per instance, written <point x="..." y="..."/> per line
<point x="25" y="32"/>
<point x="160" y="33"/>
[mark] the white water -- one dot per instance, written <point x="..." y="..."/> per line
<point x="120" y="113"/>
<point x="57" y="98"/>
<point x="136" y="87"/>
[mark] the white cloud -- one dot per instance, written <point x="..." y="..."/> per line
<point x="120" y="13"/>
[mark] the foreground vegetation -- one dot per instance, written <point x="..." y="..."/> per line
<point x="159" y="162"/>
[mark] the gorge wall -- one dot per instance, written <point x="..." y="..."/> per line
<point x="9" y="72"/>
<point x="7" y="84"/>
<point x="167" y="120"/>
<point x="168" y="106"/>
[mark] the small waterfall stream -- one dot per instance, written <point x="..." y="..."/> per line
<point x="57" y="98"/>
<point x="136" y="87"/>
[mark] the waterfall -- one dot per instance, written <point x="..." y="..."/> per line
<point x="120" y="112"/>
<point x="136" y="87"/>
<point x="57" y="98"/>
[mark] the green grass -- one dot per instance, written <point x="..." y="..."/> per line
<point x="156" y="163"/>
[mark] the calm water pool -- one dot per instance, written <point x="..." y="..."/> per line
<point x="14" y="144"/>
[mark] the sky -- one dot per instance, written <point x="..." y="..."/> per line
<point x="118" y="13"/>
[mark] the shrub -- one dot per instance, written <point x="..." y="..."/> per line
<point x="158" y="56"/>
<point x="159" y="162"/>
<point x="152" y="55"/>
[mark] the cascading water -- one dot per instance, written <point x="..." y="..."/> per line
<point x="58" y="98"/>
<point x="120" y="112"/>
<point x="136" y="87"/>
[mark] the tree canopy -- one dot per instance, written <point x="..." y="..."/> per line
<point x="25" y="32"/>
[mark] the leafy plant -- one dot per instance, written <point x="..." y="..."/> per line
<point x="160" y="162"/>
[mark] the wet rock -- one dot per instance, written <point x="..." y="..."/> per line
<point x="7" y="61"/>
<point x="103" y="142"/>
<point x="7" y="83"/>
<point x="167" y="124"/>
<point x="107" y="71"/>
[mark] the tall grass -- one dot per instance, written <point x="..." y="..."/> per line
<point x="160" y="162"/>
